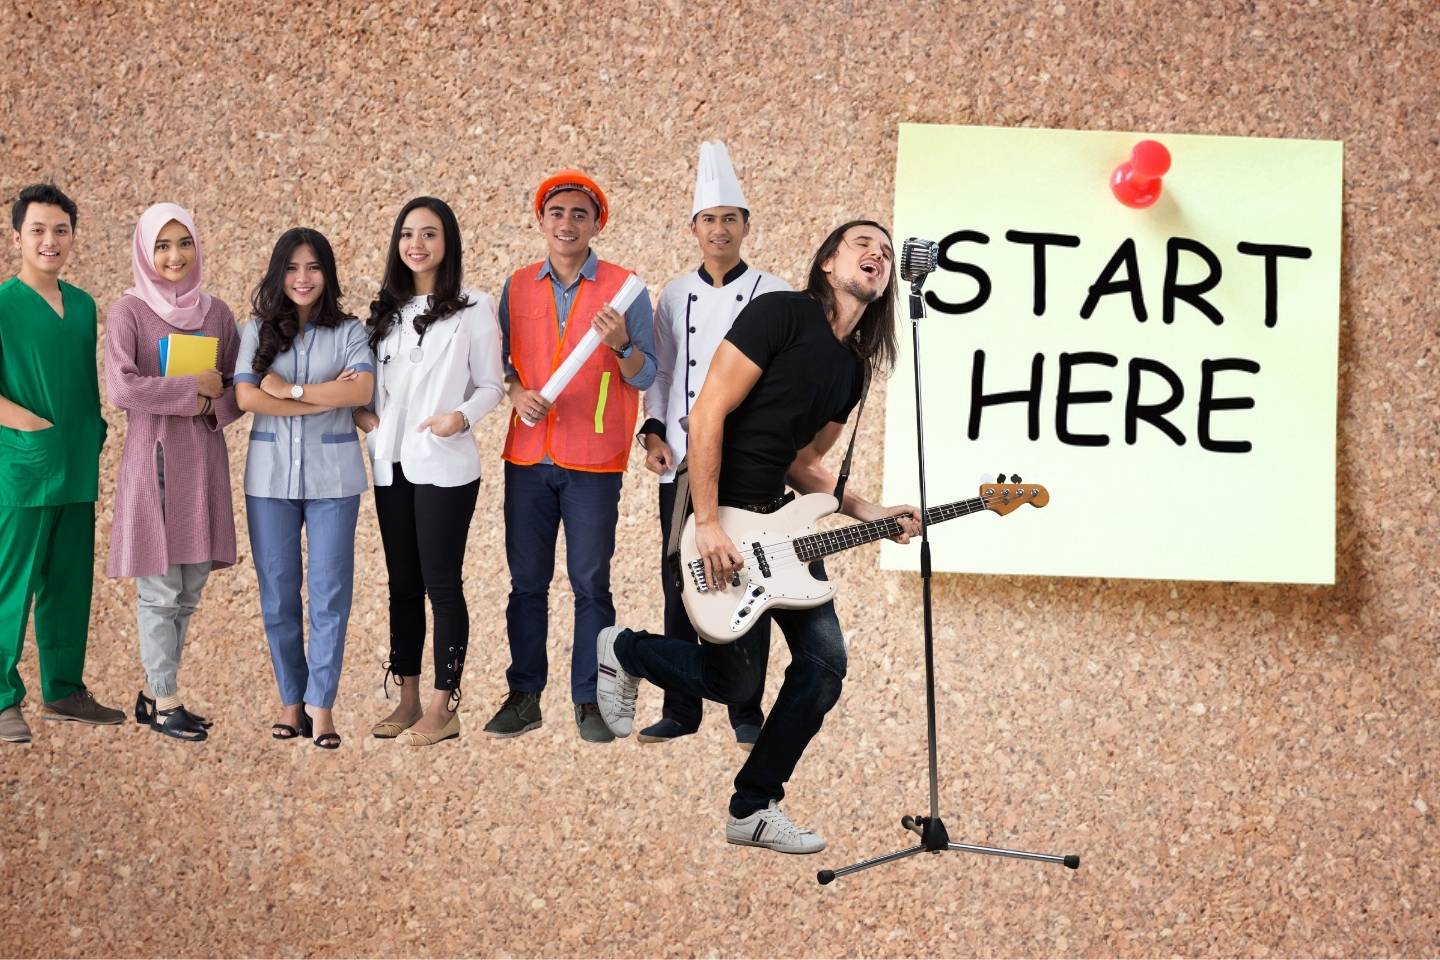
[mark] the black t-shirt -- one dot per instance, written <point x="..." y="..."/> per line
<point x="808" y="379"/>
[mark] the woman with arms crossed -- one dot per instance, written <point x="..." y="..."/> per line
<point x="304" y="365"/>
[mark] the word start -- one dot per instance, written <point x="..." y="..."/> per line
<point x="1119" y="277"/>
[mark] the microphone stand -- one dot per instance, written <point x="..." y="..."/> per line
<point x="933" y="836"/>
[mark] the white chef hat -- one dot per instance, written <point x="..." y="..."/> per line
<point x="715" y="182"/>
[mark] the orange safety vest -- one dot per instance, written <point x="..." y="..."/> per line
<point x="592" y="423"/>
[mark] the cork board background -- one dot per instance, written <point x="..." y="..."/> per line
<point x="1246" y="770"/>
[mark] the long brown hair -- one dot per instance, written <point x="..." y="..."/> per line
<point x="275" y="313"/>
<point x="874" y="336"/>
<point x="398" y="286"/>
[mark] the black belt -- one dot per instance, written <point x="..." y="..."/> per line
<point x="769" y="506"/>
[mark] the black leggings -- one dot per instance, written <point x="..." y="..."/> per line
<point x="424" y="528"/>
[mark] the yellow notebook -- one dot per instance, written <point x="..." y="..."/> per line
<point x="189" y="355"/>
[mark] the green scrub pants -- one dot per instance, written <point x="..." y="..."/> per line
<point x="46" y="554"/>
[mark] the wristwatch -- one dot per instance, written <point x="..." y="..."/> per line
<point x="296" y="391"/>
<point x="625" y="351"/>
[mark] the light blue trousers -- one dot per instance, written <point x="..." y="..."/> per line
<point x="275" y="524"/>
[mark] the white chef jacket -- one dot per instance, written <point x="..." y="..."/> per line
<point x="691" y="319"/>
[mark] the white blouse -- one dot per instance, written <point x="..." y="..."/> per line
<point x="457" y="368"/>
<point x="405" y="350"/>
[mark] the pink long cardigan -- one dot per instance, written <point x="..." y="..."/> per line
<point x="197" y="524"/>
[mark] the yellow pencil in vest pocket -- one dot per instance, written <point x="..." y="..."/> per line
<point x="188" y="355"/>
<point x="600" y="404"/>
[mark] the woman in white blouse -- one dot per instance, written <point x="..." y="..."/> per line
<point x="437" y="348"/>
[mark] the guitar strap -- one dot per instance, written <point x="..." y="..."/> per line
<point x="850" y="451"/>
<point x="678" y="513"/>
<point x="681" y="510"/>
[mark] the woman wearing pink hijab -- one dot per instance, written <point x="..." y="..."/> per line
<point x="173" y="522"/>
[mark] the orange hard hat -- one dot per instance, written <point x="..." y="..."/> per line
<point x="572" y="180"/>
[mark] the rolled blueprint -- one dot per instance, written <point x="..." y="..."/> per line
<point x="562" y="376"/>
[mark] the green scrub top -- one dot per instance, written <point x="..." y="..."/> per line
<point x="47" y="365"/>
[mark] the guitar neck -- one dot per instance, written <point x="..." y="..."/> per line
<point x="816" y="545"/>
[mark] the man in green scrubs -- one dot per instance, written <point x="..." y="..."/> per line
<point x="51" y="433"/>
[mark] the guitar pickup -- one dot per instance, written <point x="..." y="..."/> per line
<point x="697" y="574"/>
<point x="760" y="558"/>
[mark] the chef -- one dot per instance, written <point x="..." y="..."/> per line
<point x="695" y="312"/>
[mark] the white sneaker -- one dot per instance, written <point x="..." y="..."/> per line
<point x="771" y="828"/>
<point x="615" y="689"/>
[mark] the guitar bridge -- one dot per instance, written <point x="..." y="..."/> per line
<point x="697" y="574"/>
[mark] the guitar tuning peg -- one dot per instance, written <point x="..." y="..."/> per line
<point x="1000" y="479"/>
<point x="1015" y="478"/>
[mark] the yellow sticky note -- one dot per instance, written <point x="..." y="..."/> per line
<point x="1171" y="382"/>
<point x="189" y="355"/>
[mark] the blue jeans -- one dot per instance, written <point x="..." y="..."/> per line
<point x="733" y="673"/>
<point x="684" y="708"/>
<point x="311" y="676"/>
<point x="538" y="499"/>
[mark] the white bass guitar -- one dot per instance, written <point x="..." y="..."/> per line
<point x="779" y="547"/>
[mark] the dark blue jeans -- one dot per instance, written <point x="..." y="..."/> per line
<point x="684" y="708"/>
<point x="732" y="673"/>
<point x="538" y="499"/>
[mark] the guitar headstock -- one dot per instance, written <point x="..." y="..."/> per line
<point x="1003" y="497"/>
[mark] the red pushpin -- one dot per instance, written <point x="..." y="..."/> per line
<point x="1136" y="182"/>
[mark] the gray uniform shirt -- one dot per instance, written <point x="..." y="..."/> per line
<point x="310" y="457"/>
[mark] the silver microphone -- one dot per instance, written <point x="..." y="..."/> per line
<point x="918" y="258"/>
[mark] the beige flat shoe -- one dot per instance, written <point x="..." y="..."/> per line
<point x="390" y="729"/>
<point x="413" y="738"/>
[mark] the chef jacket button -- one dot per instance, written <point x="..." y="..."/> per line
<point x="694" y="297"/>
<point x="692" y="363"/>
<point x="692" y="329"/>
<point x="692" y="393"/>
<point x="738" y="297"/>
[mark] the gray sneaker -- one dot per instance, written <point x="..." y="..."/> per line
<point x="592" y="726"/>
<point x="81" y="707"/>
<point x="13" y="728"/>
<point x="520" y="713"/>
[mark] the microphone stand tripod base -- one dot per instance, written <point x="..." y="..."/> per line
<point x="935" y="839"/>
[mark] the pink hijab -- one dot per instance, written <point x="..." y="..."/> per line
<point x="182" y="305"/>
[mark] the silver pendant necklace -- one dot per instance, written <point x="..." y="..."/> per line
<point x="417" y="353"/>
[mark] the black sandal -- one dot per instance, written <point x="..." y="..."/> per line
<point x="145" y="713"/>
<point x="180" y="724"/>
<point x="328" y="741"/>
<point x="283" y="731"/>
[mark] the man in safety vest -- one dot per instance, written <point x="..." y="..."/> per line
<point x="568" y="466"/>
